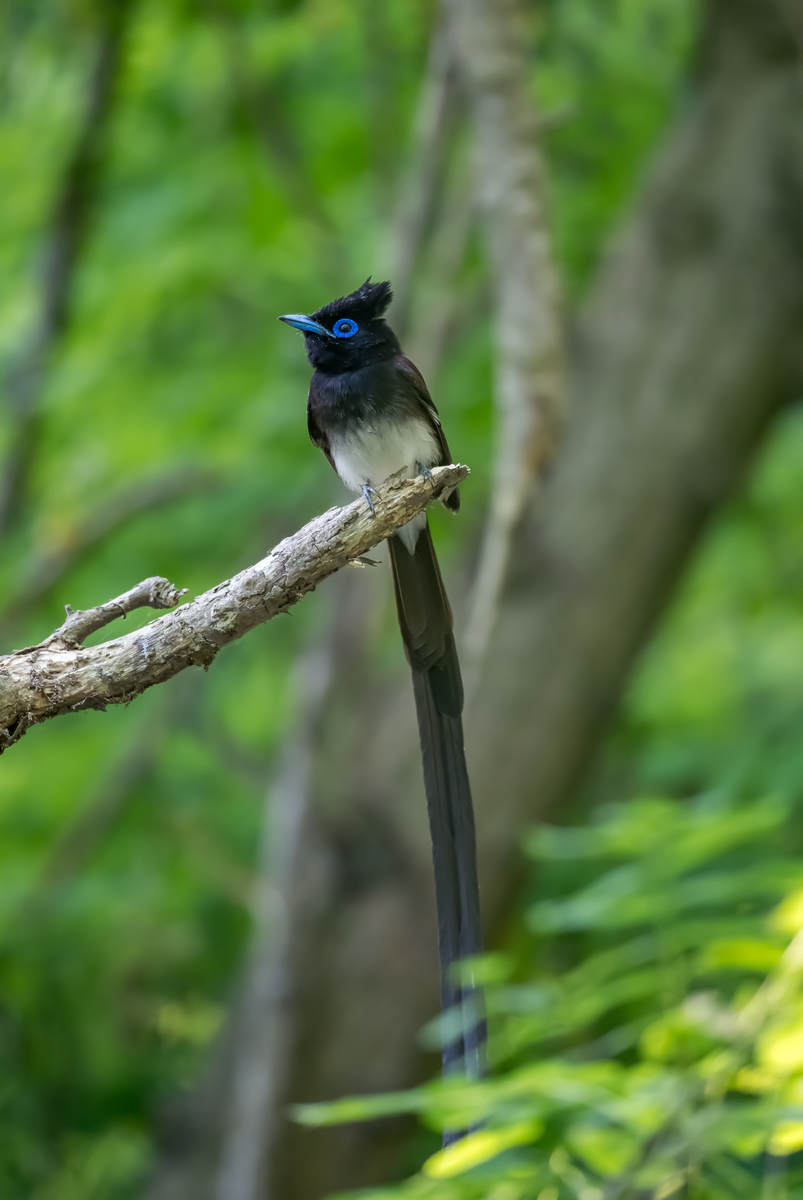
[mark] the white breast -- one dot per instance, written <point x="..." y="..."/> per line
<point x="373" y="453"/>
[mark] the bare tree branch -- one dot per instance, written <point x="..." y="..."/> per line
<point x="490" y="38"/>
<point x="155" y="592"/>
<point x="58" y="677"/>
<point x="69" y="225"/>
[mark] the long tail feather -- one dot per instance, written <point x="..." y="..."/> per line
<point x="425" y="620"/>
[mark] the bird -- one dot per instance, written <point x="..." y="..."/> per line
<point x="370" y="412"/>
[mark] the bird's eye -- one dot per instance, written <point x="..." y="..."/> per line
<point x="345" y="327"/>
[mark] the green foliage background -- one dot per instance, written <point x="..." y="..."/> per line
<point x="253" y="162"/>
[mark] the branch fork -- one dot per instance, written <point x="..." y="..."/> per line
<point x="62" y="675"/>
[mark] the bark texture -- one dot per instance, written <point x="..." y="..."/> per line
<point x="60" y="675"/>
<point x="681" y="357"/>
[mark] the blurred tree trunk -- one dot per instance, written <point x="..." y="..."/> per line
<point x="680" y="358"/>
<point x="69" y="226"/>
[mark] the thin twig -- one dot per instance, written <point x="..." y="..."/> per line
<point x="156" y="592"/>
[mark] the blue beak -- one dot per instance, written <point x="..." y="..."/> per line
<point x="306" y="324"/>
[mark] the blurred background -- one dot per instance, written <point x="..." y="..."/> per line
<point x="216" y="902"/>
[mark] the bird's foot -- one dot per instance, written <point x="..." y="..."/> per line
<point x="425" y="471"/>
<point x="368" y="492"/>
<point x="363" y="561"/>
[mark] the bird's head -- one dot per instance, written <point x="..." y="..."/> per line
<point x="350" y="332"/>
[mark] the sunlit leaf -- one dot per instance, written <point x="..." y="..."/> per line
<point x="477" y="1148"/>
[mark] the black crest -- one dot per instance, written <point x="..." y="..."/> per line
<point x="367" y="303"/>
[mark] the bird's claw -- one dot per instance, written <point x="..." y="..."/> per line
<point x="363" y="561"/>
<point x="368" y="492"/>
<point x="425" y="471"/>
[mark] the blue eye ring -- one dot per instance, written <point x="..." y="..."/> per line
<point x="345" y="327"/>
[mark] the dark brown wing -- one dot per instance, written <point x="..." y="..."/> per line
<point x="317" y="435"/>
<point x="411" y="372"/>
